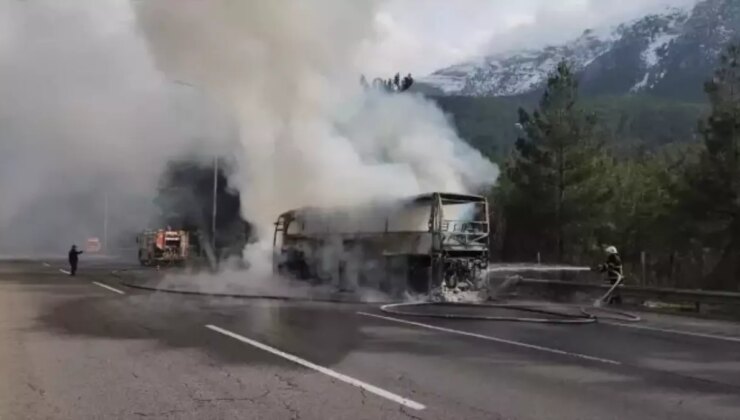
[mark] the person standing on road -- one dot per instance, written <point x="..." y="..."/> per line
<point x="613" y="270"/>
<point x="73" y="258"/>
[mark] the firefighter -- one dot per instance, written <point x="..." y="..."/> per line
<point x="613" y="270"/>
<point x="73" y="258"/>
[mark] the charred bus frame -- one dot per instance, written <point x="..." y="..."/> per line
<point x="426" y="241"/>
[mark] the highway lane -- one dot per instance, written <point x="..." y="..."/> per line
<point x="73" y="349"/>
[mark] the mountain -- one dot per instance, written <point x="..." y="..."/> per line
<point x="669" y="54"/>
<point x="514" y="73"/>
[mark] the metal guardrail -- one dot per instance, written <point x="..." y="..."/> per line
<point x="697" y="297"/>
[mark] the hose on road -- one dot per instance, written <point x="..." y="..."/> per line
<point x="583" y="315"/>
<point x="549" y="313"/>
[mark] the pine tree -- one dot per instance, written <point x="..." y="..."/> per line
<point x="712" y="185"/>
<point x="554" y="188"/>
<point x="641" y="212"/>
<point x="393" y="85"/>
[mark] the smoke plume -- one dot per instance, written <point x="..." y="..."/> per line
<point x="309" y="135"/>
<point x="98" y="95"/>
<point x="85" y="119"/>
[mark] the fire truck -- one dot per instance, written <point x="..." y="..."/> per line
<point x="163" y="247"/>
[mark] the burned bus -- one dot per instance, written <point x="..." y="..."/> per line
<point x="416" y="244"/>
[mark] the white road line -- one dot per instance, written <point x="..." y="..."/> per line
<point x="112" y="289"/>
<point x="495" y="339"/>
<point x="65" y="271"/>
<point x="666" y="330"/>
<point x="46" y="264"/>
<point x="336" y="375"/>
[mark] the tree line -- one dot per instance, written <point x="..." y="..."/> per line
<point x="628" y="124"/>
<point x="673" y="212"/>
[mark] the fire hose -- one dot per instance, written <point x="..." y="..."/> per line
<point x="583" y="315"/>
<point x="548" y="313"/>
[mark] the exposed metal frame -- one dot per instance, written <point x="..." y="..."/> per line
<point x="470" y="249"/>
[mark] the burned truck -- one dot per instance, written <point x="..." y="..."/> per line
<point x="417" y="244"/>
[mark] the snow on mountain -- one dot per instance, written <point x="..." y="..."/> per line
<point x="516" y="72"/>
<point x="654" y="35"/>
<point x="664" y="53"/>
<point x="651" y="55"/>
<point x="454" y="78"/>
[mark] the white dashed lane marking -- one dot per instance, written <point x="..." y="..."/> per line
<point x="326" y="371"/>
<point x="494" y="339"/>
<point x="112" y="289"/>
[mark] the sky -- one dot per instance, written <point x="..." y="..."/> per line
<point x="421" y="36"/>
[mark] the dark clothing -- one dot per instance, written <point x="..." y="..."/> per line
<point x="73" y="258"/>
<point x="613" y="267"/>
<point x="613" y="270"/>
<point x="73" y="255"/>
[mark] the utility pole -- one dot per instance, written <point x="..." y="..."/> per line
<point x="215" y="209"/>
<point x="105" y="223"/>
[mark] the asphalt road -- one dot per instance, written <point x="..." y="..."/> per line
<point x="89" y="348"/>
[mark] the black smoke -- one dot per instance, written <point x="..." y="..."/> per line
<point x="185" y="201"/>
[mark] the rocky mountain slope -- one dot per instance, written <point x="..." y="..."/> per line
<point x="669" y="54"/>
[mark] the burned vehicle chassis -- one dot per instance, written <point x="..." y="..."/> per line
<point x="441" y="249"/>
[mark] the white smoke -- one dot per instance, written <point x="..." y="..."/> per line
<point x="309" y="135"/>
<point x="82" y="113"/>
<point x="86" y="118"/>
<point x="95" y="101"/>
